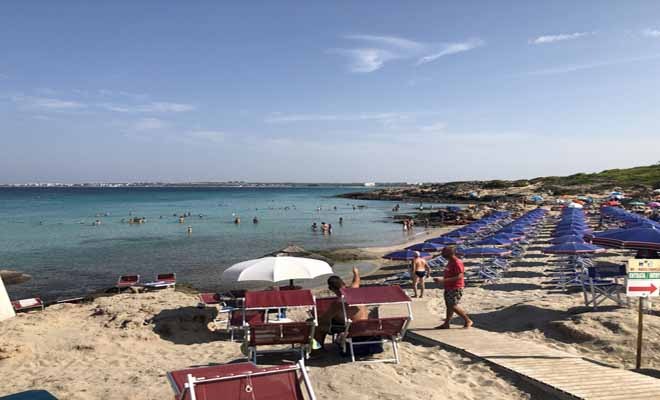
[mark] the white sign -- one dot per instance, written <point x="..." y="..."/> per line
<point x="643" y="278"/>
<point x="6" y="310"/>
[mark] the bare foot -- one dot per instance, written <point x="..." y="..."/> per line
<point x="468" y="324"/>
<point x="443" y="326"/>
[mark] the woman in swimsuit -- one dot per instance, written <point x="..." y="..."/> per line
<point x="419" y="271"/>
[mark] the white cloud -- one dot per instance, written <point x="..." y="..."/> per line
<point x="279" y="117"/>
<point x="153" y="107"/>
<point x="148" y="124"/>
<point x="435" y="127"/>
<point x="558" y="38"/>
<point x="207" y="136"/>
<point x="383" y="49"/>
<point x="365" y="60"/>
<point x="654" y="33"/>
<point x="579" y="67"/>
<point x="389" y="41"/>
<point x="48" y="103"/>
<point x="451" y="48"/>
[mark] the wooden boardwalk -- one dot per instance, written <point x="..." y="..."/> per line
<point x="562" y="374"/>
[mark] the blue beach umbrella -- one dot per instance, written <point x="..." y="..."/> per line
<point x="426" y="246"/>
<point x="445" y="240"/>
<point x="509" y="236"/>
<point x="405" y="255"/>
<point x="573" y="248"/>
<point x="477" y="252"/>
<point x="634" y="238"/>
<point x="494" y="241"/>
<point x="567" y="239"/>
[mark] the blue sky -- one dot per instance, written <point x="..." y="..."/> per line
<point x="339" y="91"/>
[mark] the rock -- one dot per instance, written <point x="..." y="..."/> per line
<point x="13" y="277"/>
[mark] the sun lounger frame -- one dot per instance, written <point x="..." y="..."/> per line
<point x="347" y="338"/>
<point x="285" y="299"/>
<point x="191" y="381"/>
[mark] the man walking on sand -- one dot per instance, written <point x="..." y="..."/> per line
<point x="419" y="270"/>
<point x="453" y="282"/>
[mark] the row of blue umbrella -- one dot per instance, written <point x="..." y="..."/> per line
<point x="568" y="235"/>
<point x="506" y="236"/>
<point x="453" y="238"/>
<point x="638" y="232"/>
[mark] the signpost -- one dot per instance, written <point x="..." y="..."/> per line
<point x="643" y="281"/>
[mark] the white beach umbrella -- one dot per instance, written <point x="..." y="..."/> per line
<point x="276" y="269"/>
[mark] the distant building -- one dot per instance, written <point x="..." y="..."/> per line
<point x="370" y="184"/>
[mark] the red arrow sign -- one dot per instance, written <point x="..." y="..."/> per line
<point x="651" y="288"/>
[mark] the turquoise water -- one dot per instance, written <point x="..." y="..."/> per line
<point x="50" y="233"/>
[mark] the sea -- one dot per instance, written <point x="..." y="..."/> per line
<point x="76" y="241"/>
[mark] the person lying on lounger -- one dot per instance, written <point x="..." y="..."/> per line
<point x="335" y="313"/>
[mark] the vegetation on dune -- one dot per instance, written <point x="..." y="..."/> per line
<point x="638" y="181"/>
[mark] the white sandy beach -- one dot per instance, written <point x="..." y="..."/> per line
<point x="122" y="346"/>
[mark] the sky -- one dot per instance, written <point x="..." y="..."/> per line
<point x="339" y="91"/>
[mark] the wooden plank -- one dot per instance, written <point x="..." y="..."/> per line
<point x="562" y="373"/>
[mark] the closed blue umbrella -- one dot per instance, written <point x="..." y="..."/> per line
<point x="573" y="248"/>
<point x="405" y="255"/>
<point x="426" y="246"/>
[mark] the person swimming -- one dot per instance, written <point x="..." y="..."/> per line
<point x="314" y="226"/>
<point x="255" y="220"/>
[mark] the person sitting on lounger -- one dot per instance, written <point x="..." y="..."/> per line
<point x="335" y="314"/>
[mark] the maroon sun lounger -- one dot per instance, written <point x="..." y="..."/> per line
<point x="388" y="329"/>
<point x="242" y="381"/>
<point x="282" y="331"/>
<point x="27" y="304"/>
<point x="126" y="281"/>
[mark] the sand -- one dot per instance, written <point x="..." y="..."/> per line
<point x="122" y="346"/>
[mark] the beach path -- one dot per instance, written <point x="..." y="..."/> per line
<point x="563" y="374"/>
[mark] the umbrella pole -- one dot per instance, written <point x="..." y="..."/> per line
<point x="290" y="282"/>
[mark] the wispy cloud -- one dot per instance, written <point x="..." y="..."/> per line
<point x="435" y="127"/>
<point x="148" y="124"/>
<point x="579" y="67"/>
<point x="381" y="49"/>
<point x="394" y="41"/>
<point x="654" y="33"/>
<point x="153" y="107"/>
<point x="452" y="48"/>
<point x="280" y="117"/>
<point x="365" y="60"/>
<point x="207" y="136"/>
<point x="47" y="103"/>
<point x="546" y="39"/>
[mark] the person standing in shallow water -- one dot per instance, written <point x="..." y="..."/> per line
<point x="453" y="282"/>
